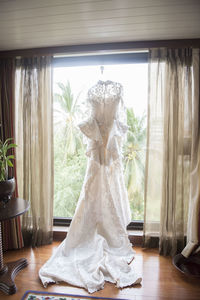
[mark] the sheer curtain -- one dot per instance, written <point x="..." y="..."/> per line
<point x="34" y="136"/>
<point x="169" y="141"/>
<point x="193" y="228"/>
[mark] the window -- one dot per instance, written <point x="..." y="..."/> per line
<point x="73" y="76"/>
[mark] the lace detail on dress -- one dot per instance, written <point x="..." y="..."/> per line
<point x="105" y="128"/>
<point x="105" y="91"/>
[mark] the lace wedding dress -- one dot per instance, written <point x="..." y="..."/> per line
<point x="97" y="248"/>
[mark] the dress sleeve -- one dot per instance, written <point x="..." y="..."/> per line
<point x="122" y="115"/>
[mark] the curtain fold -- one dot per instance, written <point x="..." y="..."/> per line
<point x="34" y="136"/>
<point x="170" y="136"/>
<point x="11" y="229"/>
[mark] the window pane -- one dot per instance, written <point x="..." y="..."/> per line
<point x="70" y="92"/>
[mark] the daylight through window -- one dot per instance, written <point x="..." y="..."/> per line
<point x="70" y="88"/>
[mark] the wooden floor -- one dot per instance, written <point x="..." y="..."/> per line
<point x="160" y="279"/>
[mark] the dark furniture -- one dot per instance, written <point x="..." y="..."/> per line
<point x="15" y="207"/>
<point x="189" y="266"/>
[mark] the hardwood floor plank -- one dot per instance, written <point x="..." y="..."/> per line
<point x="161" y="281"/>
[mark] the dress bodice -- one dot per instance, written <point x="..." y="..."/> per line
<point x="104" y="99"/>
<point x="104" y="127"/>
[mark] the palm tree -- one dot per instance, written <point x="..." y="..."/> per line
<point x="134" y="157"/>
<point x="66" y="111"/>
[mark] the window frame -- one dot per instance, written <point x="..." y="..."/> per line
<point x="87" y="59"/>
<point x="62" y="221"/>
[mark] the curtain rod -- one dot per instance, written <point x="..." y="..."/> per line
<point x="102" y="48"/>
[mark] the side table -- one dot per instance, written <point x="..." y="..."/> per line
<point x="15" y="207"/>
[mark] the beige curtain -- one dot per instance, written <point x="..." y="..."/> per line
<point x="193" y="228"/>
<point x="34" y="136"/>
<point x="169" y="141"/>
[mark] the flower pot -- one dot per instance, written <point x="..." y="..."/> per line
<point x="7" y="188"/>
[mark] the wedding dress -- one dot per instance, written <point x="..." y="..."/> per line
<point x="97" y="248"/>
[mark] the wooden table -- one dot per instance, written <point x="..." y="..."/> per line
<point x="15" y="207"/>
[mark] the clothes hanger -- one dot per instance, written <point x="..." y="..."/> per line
<point x="102" y="70"/>
<point x="103" y="78"/>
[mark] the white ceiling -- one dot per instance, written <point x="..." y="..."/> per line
<point x="41" y="23"/>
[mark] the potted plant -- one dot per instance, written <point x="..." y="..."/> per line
<point x="7" y="185"/>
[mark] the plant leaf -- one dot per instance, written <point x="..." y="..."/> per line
<point x="9" y="163"/>
<point x="11" y="146"/>
<point x="10" y="156"/>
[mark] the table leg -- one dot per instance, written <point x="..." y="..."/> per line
<point x="9" y="271"/>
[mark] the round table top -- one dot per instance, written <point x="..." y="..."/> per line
<point x="15" y="207"/>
